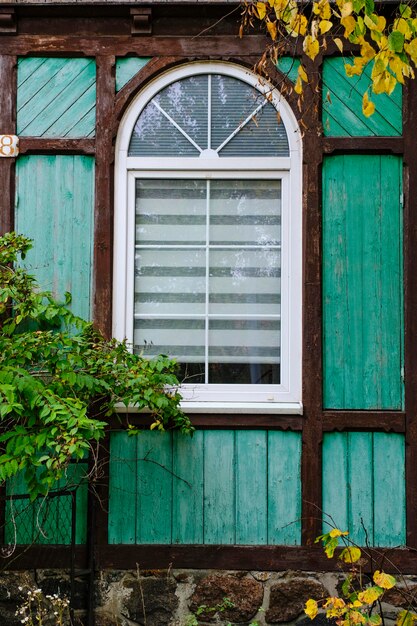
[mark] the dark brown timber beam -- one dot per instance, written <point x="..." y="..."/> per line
<point x="44" y="145"/>
<point x="389" y="145"/>
<point x="7" y="127"/>
<point x="387" y="421"/>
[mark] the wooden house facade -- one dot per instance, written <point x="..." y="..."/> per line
<point x="263" y="474"/>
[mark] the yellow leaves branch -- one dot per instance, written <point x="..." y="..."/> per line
<point x="391" y="47"/>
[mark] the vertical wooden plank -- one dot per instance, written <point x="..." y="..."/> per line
<point x="122" y="488"/>
<point x="335" y="481"/>
<point x="312" y="299"/>
<point x="219" y="487"/>
<point x="154" y="488"/>
<point x="188" y="488"/>
<point x="410" y="305"/>
<point x="362" y="282"/>
<point x="7" y="125"/>
<point x="19" y="514"/>
<point x="59" y="220"/>
<point x="75" y="479"/>
<point x="251" y="487"/>
<point x="103" y="213"/>
<point x="389" y="489"/>
<point x="360" y="487"/>
<point x="284" y="488"/>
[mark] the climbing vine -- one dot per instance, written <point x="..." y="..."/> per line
<point x="359" y="30"/>
<point x="60" y="378"/>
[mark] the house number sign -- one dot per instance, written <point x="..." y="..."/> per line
<point x="9" y="145"/>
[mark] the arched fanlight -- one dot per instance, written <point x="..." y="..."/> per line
<point x="209" y="115"/>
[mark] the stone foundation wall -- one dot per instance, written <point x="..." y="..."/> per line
<point x="178" y="597"/>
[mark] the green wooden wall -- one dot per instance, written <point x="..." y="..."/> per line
<point x="364" y="481"/>
<point x="48" y="520"/>
<point x="56" y="97"/>
<point x="362" y="282"/>
<point x="126" y="68"/>
<point x="219" y="487"/>
<point x="342" y="104"/>
<point x="54" y="206"/>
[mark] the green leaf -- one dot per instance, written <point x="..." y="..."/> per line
<point x="396" y="41"/>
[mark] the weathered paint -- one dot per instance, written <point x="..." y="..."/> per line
<point x="56" y="97"/>
<point x="364" y="486"/>
<point x="126" y="68"/>
<point x="54" y="206"/>
<point x="220" y="487"/>
<point x="362" y="282"/>
<point x="48" y="520"/>
<point x="342" y="104"/>
<point x="289" y="67"/>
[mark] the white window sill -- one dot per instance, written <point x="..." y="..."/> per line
<point x="277" y="408"/>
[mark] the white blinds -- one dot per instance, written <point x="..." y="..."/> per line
<point x="207" y="276"/>
<point x="209" y="112"/>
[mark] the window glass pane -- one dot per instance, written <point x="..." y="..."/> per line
<point x="232" y="103"/>
<point x="170" y="282"/>
<point x="245" y="282"/>
<point x="242" y="121"/>
<point x="245" y="212"/>
<point x="210" y="297"/>
<point x="170" y="212"/>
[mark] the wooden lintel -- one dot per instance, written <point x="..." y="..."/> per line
<point x="219" y="422"/>
<point x="50" y="145"/>
<point x="371" y="145"/>
<point x="386" y="421"/>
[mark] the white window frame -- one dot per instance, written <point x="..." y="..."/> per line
<point x="282" y="398"/>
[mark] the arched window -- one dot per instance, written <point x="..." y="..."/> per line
<point x="208" y="236"/>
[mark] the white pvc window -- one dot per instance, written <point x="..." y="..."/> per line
<point x="208" y="237"/>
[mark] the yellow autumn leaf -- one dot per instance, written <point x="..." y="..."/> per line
<point x="399" y="68"/>
<point x="272" y="30"/>
<point x="311" y="47"/>
<point x="370" y="594"/>
<point x="406" y="618"/>
<point x="346" y="9"/>
<point x="334" y="602"/>
<point x="349" y="24"/>
<point x="368" y="108"/>
<point x="325" y="26"/>
<point x="338" y="43"/>
<point x="367" y="51"/>
<point x="351" y="554"/>
<point x="411" y="49"/>
<point x="353" y="70"/>
<point x="338" y="533"/>
<point x="302" y="73"/>
<point x="298" y="87"/>
<point x="386" y="581"/>
<point x="311" y="609"/>
<point x="402" y="25"/>
<point x="356" y="617"/>
<point x="322" y="9"/>
<point x="261" y="9"/>
<point x="298" y="25"/>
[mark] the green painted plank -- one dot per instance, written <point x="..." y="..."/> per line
<point x="19" y="515"/>
<point x="251" y="487"/>
<point x="284" y="488"/>
<point x="66" y="118"/>
<point x="26" y="66"/>
<point x="40" y="76"/>
<point x="289" y="67"/>
<point x="342" y="112"/>
<point x="58" y="217"/>
<point x="122" y="488"/>
<point x="56" y="97"/>
<point x="389" y="489"/>
<point x="360" y="487"/>
<point x="335" y="470"/>
<point x="362" y="278"/>
<point x="154" y="488"/>
<point x="126" y="68"/>
<point x="219" y="487"/>
<point x="188" y="485"/>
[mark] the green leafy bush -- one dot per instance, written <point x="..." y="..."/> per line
<point x="60" y="378"/>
